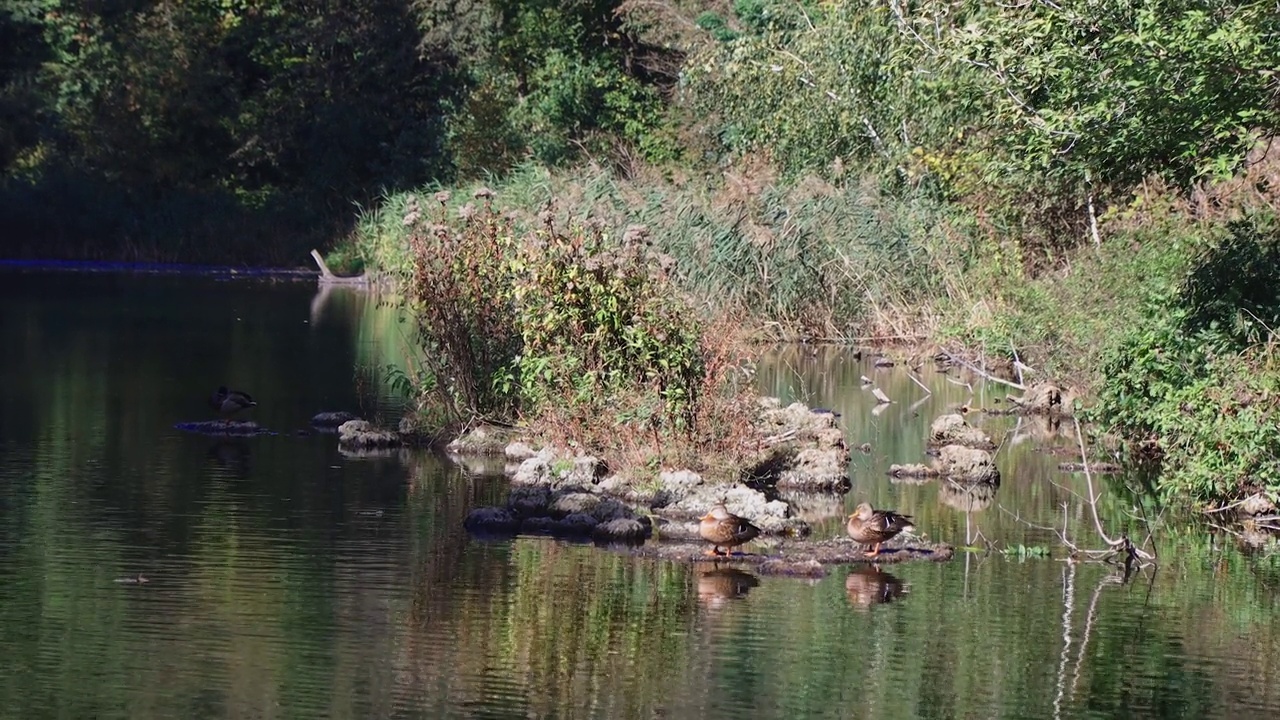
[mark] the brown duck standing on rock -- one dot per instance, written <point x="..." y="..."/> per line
<point x="229" y="402"/>
<point x="873" y="527"/>
<point x="722" y="528"/>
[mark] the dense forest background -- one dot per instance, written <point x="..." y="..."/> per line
<point x="246" y="131"/>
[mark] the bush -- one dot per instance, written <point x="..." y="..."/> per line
<point x="1196" y="386"/>
<point x="584" y="337"/>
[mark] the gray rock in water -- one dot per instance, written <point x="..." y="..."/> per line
<point x="332" y="419"/>
<point x="610" y="509"/>
<point x="490" y="519"/>
<point x="578" y="524"/>
<point x="953" y="429"/>
<point x="359" y="434"/>
<point x="625" y="530"/>
<point x="528" y="500"/>
<point x="519" y="451"/>
<point x="968" y="464"/>
<point x="574" y="502"/>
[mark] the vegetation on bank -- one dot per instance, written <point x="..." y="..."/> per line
<point x="1072" y="181"/>
<point x="887" y="173"/>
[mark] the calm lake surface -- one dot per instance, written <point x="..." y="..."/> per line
<point x="288" y="580"/>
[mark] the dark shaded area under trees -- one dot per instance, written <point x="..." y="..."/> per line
<point x="249" y="132"/>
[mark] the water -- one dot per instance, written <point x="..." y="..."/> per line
<point x="288" y="580"/>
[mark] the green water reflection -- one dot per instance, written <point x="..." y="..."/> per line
<point x="288" y="580"/>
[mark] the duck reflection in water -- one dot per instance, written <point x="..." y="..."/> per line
<point x="868" y="586"/>
<point x="718" y="586"/>
<point x="231" y="456"/>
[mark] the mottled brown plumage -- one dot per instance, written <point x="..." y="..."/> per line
<point x="722" y="528"/>
<point x="873" y="527"/>
<point x="228" y="402"/>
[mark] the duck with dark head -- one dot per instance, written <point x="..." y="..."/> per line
<point x="229" y="402"/>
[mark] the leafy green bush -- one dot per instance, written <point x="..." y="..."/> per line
<point x="584" y="336"/>
<point x="1196" y="384"/>
<point x="601" y="319"/>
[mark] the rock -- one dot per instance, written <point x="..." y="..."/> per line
<point x="817" y="468"/>
<point x="578" y="524"/>
<point x="527" y="501"/>
<point x="610" y="509"/>
<point x="332" y="419"/>
<point x="803" y="448"/>
<point x="912" y="470"/>
<point x="490" y="520"/>
<point x="1046" y="399"/>
<point x="772" y="517"/>
<point x="574" y="502"/>
<point x="808" y="568"/>
<point x="800" y="553"/>
<point x="1257" y="504"/>
<point x="535" y="470"/>
<point x="814" y="507"/>
<point x="953" y="429"/>
<point x="519" y="451"/>
<point x="624" y="530"/>
<point x="359" y="434"/>
<point x="234" y="428"/>
<point x="482" y="440"/>
<point x="968" y="464"/>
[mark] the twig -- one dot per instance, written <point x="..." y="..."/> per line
<point x="917" y="382"/>
<point x="1237" y="503"/>
<point x="983" y="373"/>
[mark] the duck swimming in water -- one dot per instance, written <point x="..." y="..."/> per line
<point x="722" y="528"/>
<point x="873" y="527"/>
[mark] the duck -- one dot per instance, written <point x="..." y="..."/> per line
<point x="229" y="402"/>
<point x="722" y="528"/>
<point x="873" y="527"/>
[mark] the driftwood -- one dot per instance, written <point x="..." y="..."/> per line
<point x="328" y="278"/>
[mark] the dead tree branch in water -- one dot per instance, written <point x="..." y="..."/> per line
<point x="986" y="375"/>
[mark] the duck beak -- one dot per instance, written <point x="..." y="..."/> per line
<point x="705" y="517"/>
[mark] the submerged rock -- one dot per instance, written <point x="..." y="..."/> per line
<point x="573" y="502"/>
<point x="519" y="451"/>
<point x="953" y="429"/>
<point x="331" y="420"/>
<point x="801" y="553"/>
<point x="491" y="520"/>
<point x="621" y="530"/>
<point x="361" y="435"/>
<point x="230" y="428"/>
